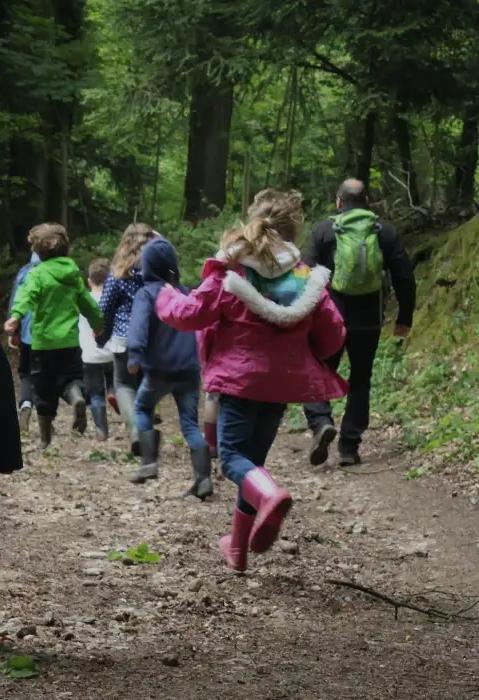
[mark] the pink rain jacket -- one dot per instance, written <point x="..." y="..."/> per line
<point x="254" y="348"/>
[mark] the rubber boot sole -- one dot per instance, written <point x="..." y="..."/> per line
<point x="79" y="417"/>
<point x="320" y="449"/>
<point x="268" y="522"/>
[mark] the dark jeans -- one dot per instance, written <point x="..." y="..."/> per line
<point x="24" y="371"/>
<point x="98" y="380"/>
<point x="361" y="346"/>
<point x="186" y="395"/>
<point x="52" y="372"/>
<point x="246" y="431"/>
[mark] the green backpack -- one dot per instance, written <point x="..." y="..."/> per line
<point x="358" y="262"/>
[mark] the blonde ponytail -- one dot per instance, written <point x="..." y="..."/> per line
<point x="275" y="218"/>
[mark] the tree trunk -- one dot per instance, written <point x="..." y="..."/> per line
<point x="365" y="155"/>
<point x="467" y="159"/>
<point x="403" y="140"/>
<point x="208" y="149"/>
<point x="58" y="148"/>
<point x="69" y="15"/>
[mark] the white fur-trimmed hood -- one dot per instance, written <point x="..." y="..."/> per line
<point x="271" y="311"/>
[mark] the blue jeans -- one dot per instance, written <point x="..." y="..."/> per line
<point x="246" y="431"/>
<point x="186" y="394"/>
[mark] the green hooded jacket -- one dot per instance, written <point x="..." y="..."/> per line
<point x="56" y="294"/>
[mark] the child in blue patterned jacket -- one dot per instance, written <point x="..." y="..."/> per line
<point x="116" y="303"/>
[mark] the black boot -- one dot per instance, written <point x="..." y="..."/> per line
<point x="149" y="446"/>
<point x="201" y="461"/>
<point x="45" y="425"/>
<point x="101" y="422"/>
<point x="74" y="396"/>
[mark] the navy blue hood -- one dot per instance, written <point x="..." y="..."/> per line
<point x="159" y="262"/>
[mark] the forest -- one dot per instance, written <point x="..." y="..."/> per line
<point x="173" y="112"/>
<point x="176" y="113"/>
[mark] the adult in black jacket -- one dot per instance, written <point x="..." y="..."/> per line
<point x="363" y="316"/>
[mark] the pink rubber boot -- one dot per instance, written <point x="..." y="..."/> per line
<point x="272" y="504"/>
<point x="211" y="438"/>
<point x="234" y="547"/>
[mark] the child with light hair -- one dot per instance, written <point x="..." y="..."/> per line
<point x="56" y="295"/>
<point x="274" y="325"/>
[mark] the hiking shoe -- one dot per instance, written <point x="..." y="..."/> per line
<point x="322" y="439"/>
<point x="24" y="416"/>
<point x="349" y="459"/>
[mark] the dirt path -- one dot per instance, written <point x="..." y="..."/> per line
<point x="188" y="628"/>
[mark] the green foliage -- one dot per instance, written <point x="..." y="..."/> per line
<point x="111" y="456"/>
<point x="429" y="385"/>
<point x="295" y="419"/>
<point x="138" y="555"/>
<point x="415" y="473"/>
<point x="20" y="667"/>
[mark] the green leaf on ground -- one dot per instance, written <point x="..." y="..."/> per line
<point x="140" y="555"/>
<point x="415" y="473"/>
<point x="21" y="667"/>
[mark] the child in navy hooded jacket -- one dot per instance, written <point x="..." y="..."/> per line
<point x="169" y="361"/>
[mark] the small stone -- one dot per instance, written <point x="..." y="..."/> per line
<point x="171" y="658"/>
<point x="435" y="515"/>
<point x="89" y="620"/>
<point x="318" y="495"/>
<point x="206" y="600"/>
<point x="92" y="555"/>
<point x="289" y="547"/>
<point x="328" y="508"/>
<point x="253" y="584"/>
<point x="89" y="583"/>
<point x="49" y="619"/>
<point x="254" y="612"/>
<point x="68" y="636"/>
<point x="195" y="585"/>
<point x="122" y="616"/>
<point x="92" y="572"/>
<point x="415" y="549"/>
<point x="27" y="630"/>
<point x="360" y="528"/>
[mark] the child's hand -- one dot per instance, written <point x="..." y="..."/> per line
<point x="11" y="326"/>
<point x="133" y="369"/>
<point x="14" y="342"/>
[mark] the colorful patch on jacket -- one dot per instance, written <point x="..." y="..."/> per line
<point x="283" y="290"/>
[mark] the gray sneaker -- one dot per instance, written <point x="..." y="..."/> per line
<point x="321" y="441"/>
<point x="349" y="459"/>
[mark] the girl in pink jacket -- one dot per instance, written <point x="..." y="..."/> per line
<point x="275" y="324"/>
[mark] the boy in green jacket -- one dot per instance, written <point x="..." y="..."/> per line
<point x="56" y="294"/>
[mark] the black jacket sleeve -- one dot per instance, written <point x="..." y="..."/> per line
<point x="321" y="246"/>
<point x="396" y="261"/>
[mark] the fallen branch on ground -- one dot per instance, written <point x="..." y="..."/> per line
<point x="435" y="613"/>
